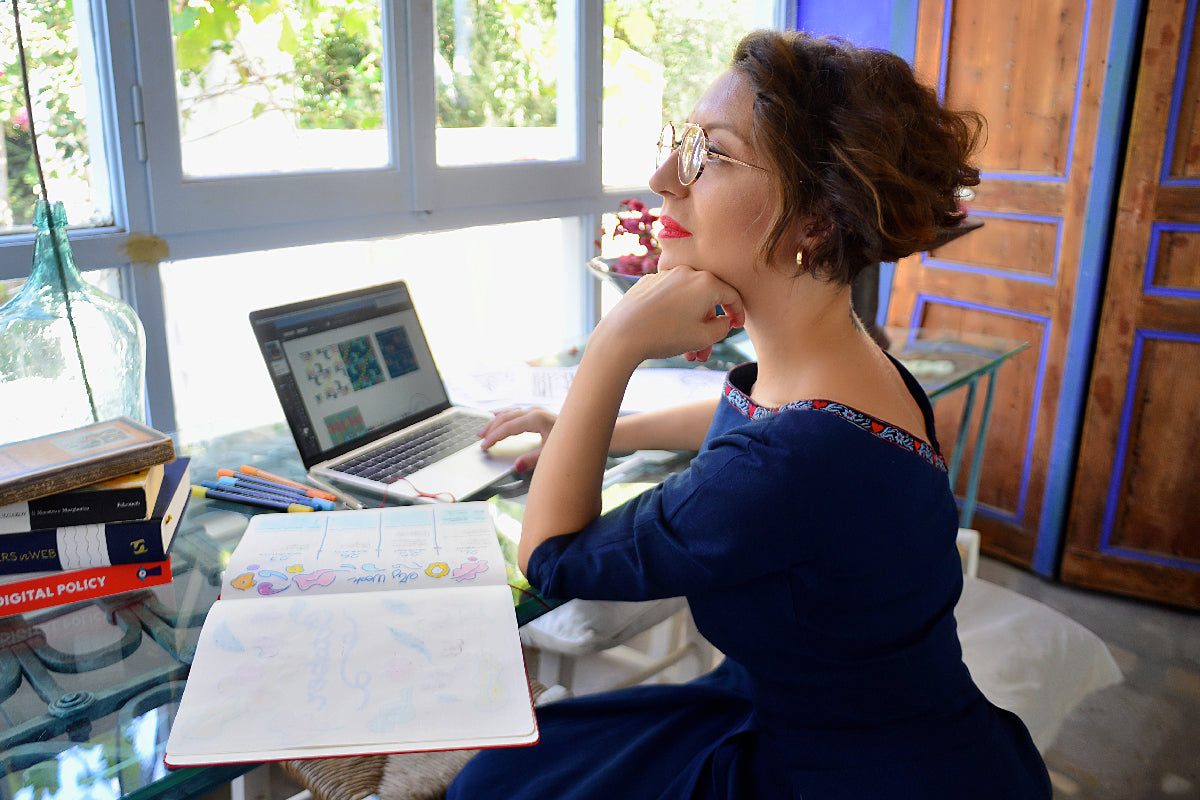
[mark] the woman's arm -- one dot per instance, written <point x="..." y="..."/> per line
<point x="663" y="315"/>
<point x="679" y="428"/>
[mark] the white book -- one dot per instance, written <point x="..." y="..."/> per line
<point x="376" y="631"/>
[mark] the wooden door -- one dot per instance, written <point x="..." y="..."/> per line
<point x="1042" y="73"/>
<point x="1135" y="521"/>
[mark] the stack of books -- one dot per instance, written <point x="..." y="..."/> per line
<point x="87" y="513"/>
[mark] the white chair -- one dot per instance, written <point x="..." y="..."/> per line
<point x="671" y="648"/>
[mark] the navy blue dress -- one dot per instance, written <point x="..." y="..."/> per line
<point x="815" y="546"/>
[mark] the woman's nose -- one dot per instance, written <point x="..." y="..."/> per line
<point x="665" y="179"/>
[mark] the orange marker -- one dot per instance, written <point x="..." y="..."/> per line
<point x="310" y="491"/>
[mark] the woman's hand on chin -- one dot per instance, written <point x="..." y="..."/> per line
<point x="670" y="313"/>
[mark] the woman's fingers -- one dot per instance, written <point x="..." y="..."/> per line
<point x="673" y="312"/>
<point x="514" y="421"/>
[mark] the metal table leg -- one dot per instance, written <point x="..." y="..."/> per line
<point x="967" y="512"/>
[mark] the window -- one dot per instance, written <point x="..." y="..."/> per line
<point x="279" y="86"/>
<point x="659" y="56"/>
<point x="64" y="88"/>
<point x="487" y="296"/>
<point x="497" y="69"/>
<point x="264" y="150"/>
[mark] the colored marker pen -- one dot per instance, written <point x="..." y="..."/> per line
<point x="237" y="481"/>
<point x="214" y="494"/>
<point x="311" y="492"/>
<point x="261" y="494"/>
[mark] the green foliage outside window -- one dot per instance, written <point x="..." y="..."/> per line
<point x="332" y="78"/>
<point x="55" y="85"/>
<point x="329" y="69"/>
<point x="507" y="77"/>
<point x="693" y="40"/>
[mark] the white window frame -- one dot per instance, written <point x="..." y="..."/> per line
<point x="133" y="44"/>
<point x="435" y="187"/>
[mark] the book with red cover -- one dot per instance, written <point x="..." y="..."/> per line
<point x="20" y="594"/>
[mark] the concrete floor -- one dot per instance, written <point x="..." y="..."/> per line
<point x="1140" y="739"/>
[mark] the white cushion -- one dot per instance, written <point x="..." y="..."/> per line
<point x="1028" y="658"/>
<point x="580" y="627"/>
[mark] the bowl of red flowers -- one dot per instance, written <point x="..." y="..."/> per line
<point x="636" y="220"/>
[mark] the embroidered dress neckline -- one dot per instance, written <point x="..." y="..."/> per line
<point x="876" y="427"/>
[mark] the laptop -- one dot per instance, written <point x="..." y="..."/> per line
<point x="365" y="402"/>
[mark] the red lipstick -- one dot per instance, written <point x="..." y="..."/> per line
<point x="672" y="229"/>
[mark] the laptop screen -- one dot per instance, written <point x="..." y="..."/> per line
<point x="349" y="368"/>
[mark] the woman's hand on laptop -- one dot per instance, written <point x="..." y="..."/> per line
<point x="513" y="422"/>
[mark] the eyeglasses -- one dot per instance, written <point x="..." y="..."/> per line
<point x="694" y="151"/>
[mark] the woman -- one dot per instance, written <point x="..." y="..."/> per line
<point x="813" y="534"/>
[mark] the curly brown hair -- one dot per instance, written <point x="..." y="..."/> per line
<point x="864" y="154"/>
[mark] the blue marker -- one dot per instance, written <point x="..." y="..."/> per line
<point x="274" y="487"/>
<point x="262" y="494"/>
<point x="244" y="499"/>
<point x="227" y="483"/>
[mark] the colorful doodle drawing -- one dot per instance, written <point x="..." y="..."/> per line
<point x="438" y="569"/>
<point x="267" y="588"/>
<point x="320" y="577"/>
<point x="397" y="351"/>
<point x="244" y="581"/>
<point x="362" y="366"/>
<point x="469" y="570"/>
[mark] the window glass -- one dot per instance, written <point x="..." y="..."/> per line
<point x="270" y="86"/>
<point x="486" y="296"/>
<point x="497" y="66"/>
<point x="62" y="84"/>
<point x="659" y="57"/>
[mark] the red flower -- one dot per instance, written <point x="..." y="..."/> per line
<point x="634" y="218"/>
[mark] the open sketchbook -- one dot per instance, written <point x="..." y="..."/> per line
<point x="355" y="632"/>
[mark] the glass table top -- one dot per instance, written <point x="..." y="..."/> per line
<point x="88" y="691"/>
<point x="940" y="360"/>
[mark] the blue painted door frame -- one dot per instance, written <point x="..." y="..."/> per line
<point x="892" y="24"/>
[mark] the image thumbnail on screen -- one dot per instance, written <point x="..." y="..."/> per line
<point x="397" y="351"/>
<point x="362" y="367"/>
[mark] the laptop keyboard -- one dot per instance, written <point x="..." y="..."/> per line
<point x="410" y="453"/>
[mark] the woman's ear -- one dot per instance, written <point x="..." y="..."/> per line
<point x="803" y="235"/>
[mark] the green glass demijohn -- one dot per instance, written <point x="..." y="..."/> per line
<point x="59" y="329"/>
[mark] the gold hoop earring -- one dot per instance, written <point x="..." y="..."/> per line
<point x="799" y="259"/>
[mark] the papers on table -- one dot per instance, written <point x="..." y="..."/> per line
<point x="523" y="385"/>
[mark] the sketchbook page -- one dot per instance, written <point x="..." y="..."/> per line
<point x="403" y="547"/>
<point x="303" y="677"/>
